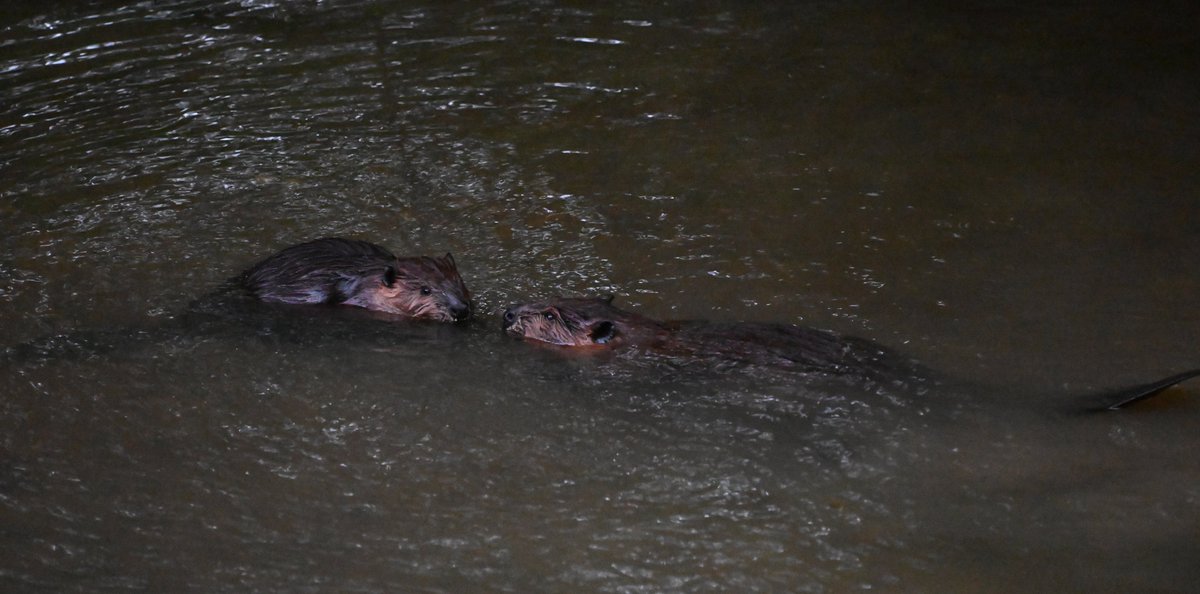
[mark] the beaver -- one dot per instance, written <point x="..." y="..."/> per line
<point x="594" y="323"/>
<point x="597" y="324"/>
<point x="362" y="274"/>
<point x="324" y="271"/>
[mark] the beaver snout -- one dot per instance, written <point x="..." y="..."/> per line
<point x="510" y="318"/>
<point x="460" y="311"/>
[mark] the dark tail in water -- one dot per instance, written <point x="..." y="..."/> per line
<point x="1123" y="397"/>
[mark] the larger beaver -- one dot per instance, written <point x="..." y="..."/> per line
<point x="332" y="271"/>
<point x="594" y="323"/>
<point x="359" y="273"/>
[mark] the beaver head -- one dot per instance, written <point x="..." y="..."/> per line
<point x="421" y="287"/>
<point x="578" y="322"/>
<point x="362" y="274"/>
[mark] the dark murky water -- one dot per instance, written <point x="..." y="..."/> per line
<point x="1006" y="193"/>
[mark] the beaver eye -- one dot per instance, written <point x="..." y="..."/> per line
<point x="548" y="315"/>
<point x="426" y="291"/>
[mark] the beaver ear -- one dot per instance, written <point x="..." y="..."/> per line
<point x="389" y="276"/>
<point x="608" y="298"/>
<point x="449" y="258"/>
<point x="603" y="332"/>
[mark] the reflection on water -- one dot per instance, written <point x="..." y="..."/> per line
<point x="1006" y="193"/>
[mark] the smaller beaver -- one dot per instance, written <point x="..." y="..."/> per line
<point x="596" y="323"/>
<point x="351" y="272"/>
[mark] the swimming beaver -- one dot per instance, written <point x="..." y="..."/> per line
<point x="596" y="323"/>
<point x="351" y="272"/>
<point x="331" y="270"/>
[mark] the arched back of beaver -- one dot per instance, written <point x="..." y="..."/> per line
<point x="359" y="273"/>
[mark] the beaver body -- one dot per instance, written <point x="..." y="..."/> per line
<point x="358" y="273"/>
<point x="596" y="323"/>
<point x="325" y="271"/>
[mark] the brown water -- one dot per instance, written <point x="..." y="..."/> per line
<point x="1005" y="193"/>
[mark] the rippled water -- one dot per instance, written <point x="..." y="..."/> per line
<point x="1005" y="193"/>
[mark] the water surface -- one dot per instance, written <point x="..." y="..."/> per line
<point x="1006" y="193"/>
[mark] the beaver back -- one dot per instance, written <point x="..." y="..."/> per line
<point x="330" y="270"/>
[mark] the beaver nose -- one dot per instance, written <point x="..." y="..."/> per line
<point x="509" y="319"/>
<point x="460" y="311"/>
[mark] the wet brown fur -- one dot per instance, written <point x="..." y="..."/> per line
<point x="581" y="322"/>
<point x="596" y="323"/>
<point x="362" y="274"/>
